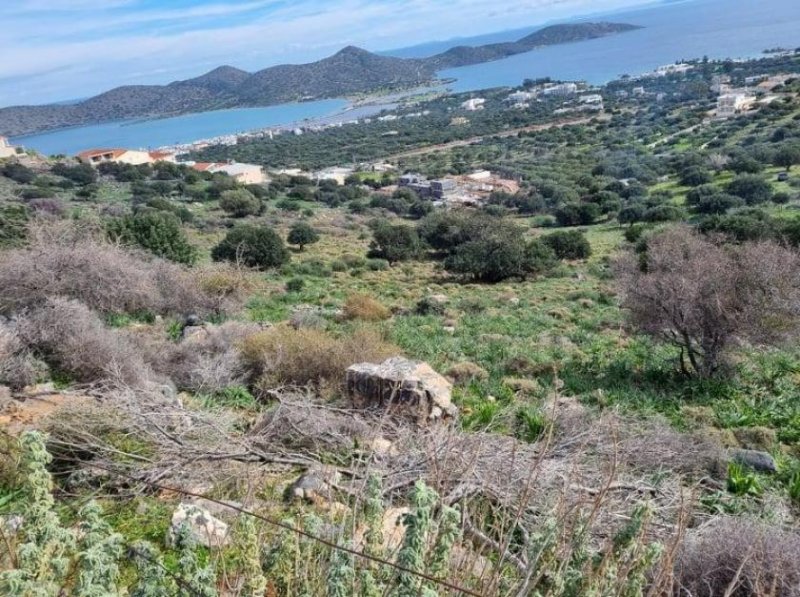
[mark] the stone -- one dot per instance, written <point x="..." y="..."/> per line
<point x="392" y="530"/>
<point x="194" y="332"/>
<point x="315" y="486"/>
<point x="5" y="398"/>
<point x="404" y="387"/>
<point x="204" y="528"/>
<point x="383" y="447"/>
<point x="762" y="462"/>
<point x="12" y="524"/>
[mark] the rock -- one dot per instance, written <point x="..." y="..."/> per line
<point x="315" y="486"/>
<point x="759" y="461"/>
<point x="383" y="447"/>
<point x="449" y="329"/>
<point x="12" y="524"/>
<point x="227" y="508"/>
<point x="5" y="398"/>
<point x="194" y="332"/>
<point x="392" y="530"/>
<point x="206" y="530"/>
<point x="405" y="387"/>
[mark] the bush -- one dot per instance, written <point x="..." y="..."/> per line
<point x="364" y="308"/>
<point x="13" y="224"/>
<point x="301" y="234"/>
<point x="82" y="174"/>
<point x="295" y="285"/>
<point x="751" y="188"/>
<point x="719" y="203"/>
<point x="18" y="367"/>
<point x="240" y="203"/>
<point x="568" y="244"/>
<point x="63" y="261"/>
<point x="304" y="357"/>
<point x="377" y="265"/>
<point x="695" y="176"/>
<point x="395" y="242"/>
<point x="490" y="259"/>
<point x="705" y="297"/>
<point x="71" y="339"/>
<point x="158" y="232"/>
<point x="253" y="246"/>
<point x="663" y="213"/>
<point x="19" y="173"/>
<point x="577" y="214"/>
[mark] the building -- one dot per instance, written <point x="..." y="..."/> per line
<point x="519" y="97"/>
<point x="672" y="69"/>
<point x="436" y="189"/>
<point x="638" y="91"/>
<point x="119" y="156"/>
<point x="560" y="90"/>
<point x="6" y="149"/>
<point x="164" y="156"/>
<point x="732" y="104"/>
<point x="473" y="105"/>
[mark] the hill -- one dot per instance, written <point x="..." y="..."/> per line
<point x="351" y="70"/>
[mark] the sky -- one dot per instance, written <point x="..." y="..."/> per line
<point x="57" y="50"/>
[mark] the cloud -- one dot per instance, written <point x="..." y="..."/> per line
<point x="69" y="48"/>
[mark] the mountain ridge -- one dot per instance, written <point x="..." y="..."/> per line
<point x="349" y="71"/>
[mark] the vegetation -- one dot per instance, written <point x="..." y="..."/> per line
<point x="252" y="246"/>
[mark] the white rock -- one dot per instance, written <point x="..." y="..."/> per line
<point x="206" y="530"/>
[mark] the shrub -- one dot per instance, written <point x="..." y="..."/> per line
<point x="19" y="173"/>
<point x="18" y="367"/>
<point x="13" y="224"/>
<point x="490" y="259"/>
<point x="568" y="244"/>
<point x="751" y="188"/>
<point x="395" y="242"/>
<point x="283" y="356"/>
<point x="704" y="297"/>
<point x="718" y="203"/>
<point x="301" y="234"/>
<point x="364" y="308"/>
<point x="377" y="265"/>
<point x="577" y="214"/>
<point x="240" y="203"/>
<point x="82" y="174"/>
<point x="695" y="176"/>
<point x="253" y="246"/>
<point x="466" y="372"/>
<point x="295" y="285"/>
<point x="61" y="260"/>
<point x="47" y="207"/>
<point x="71" y="339"/>
<point x="745" y="225"/>
<point x="158" y="232"/>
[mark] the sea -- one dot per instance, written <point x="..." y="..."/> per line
<point x="672" y="30"/>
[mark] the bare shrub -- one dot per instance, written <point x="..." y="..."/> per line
<point x="209" y="361"/>
<point x="467" y="372"/>
<point x="738" y="557"/>
<point x="69" y="337"/>
<point x="224" y="285"/>
<point x="364" y="308"/>
<point x="18" y="367"/>
<point x="284" y="356"/>
<point x="63" y="260"/>
<point x="703" y="296"/>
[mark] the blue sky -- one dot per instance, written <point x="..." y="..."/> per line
<point x="54" y="50"/>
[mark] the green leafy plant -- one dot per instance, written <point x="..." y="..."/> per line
<point x="742" y="481"/>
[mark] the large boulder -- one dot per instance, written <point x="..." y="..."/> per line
<point x="762" y="462"/>
<point x="403" y="387"/>
<point x="205" y="528"/>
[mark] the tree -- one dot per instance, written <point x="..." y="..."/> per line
<point x="717" y="204"/>
<point x="240" y="203"/>
<point x="395" y="242"/>
<point x="159" y="232"/>
<point x="695" y="176"/>
<point x="704" y="297"/>
<point x="254" y="246"/>
<point x="577" y="214"/>
<point x="750" y="187"/>
<point x="568" y="244"/>
<point x="788" y="155"/>
<point x="301" y="234"/>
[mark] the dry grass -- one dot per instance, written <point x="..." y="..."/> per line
<point x="285" y="356"/>
<point x="364" y="308"/>
<point x="467" y="372"/>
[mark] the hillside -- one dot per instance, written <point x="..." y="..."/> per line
<point x="351" y="70"/>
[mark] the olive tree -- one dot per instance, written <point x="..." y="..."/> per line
<point x="704" y="296"/>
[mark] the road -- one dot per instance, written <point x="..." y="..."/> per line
<point x="506" y="133"/>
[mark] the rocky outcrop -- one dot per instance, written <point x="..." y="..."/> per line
<point x="204" y="528"/>
<point x="762" y="462"/>
<point x="404" y="388"/>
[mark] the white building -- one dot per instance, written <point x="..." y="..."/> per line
<point x="339" y="174"/>
<point x="520" y="97"/>
<point x="560" y="89"/>
<point x="472" y="105"/>
<point x="119" y="156"/>
<point x="672" y="69"/>
<point x="6" y="149"/>
<point x="732" y="104"/>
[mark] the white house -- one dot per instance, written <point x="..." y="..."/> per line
<point x="120" y="156"/>
<point x="732" y="104"/>
<point x="472" y="105"/>
<point x="561" y="89"/>
<point x="6" y="149"/>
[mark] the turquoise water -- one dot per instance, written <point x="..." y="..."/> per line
<point x="180" y="129"/>
<point x="673" y="30"/>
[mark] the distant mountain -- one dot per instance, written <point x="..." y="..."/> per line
<point x="351" y="70"/>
